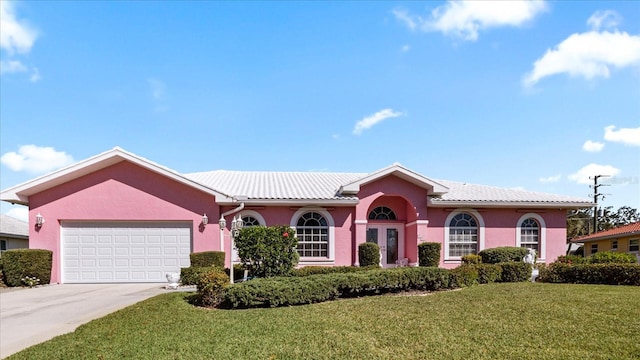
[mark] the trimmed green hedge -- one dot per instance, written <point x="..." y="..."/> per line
<point x="190" y="275"/>
<point x="286" y="291"/>
<point x="315" y="270"/>
<point x="605" y="274"/>
<point x="429" y="254"/>
<point x="612" y="257"/>
<point x="472" y="274"/>
<point x="503" y="254"/>
<point x="369" y="254"/>
<point x="211" y="284"/>
<point x="471" y="259"/>
<point x="20" y="263"/>
<point x="207" y="258"/>
<point x="515" y="272"/>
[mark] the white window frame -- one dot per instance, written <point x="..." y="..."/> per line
<point x="331" y="248"/>
<point x="614" y="242"/>
<point x="591" y="248"/>
<point x="542" y="235"/>
<point x="479" y="221"/>
<point x="634" y="251"/>
<point x="255" y="215"/>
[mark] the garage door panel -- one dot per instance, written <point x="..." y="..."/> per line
<point x="123" y="251"/>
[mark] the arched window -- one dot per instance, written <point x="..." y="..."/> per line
<point x="382" y="213"/>
<point x="312" y="231"/>
<point x="463" y="235"/>
<point x="250" y="221"/>
<point x="530" y="235"/>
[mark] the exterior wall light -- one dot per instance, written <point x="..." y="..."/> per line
<point x="39" y="220"/>
<point x="205" y="219"/>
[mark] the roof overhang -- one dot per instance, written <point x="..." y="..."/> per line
<point x="19" y="194"/>
<point x="507" y="204"/>
<point x="432" y="187"/>
<point x="293" y="202"/>
<point x="605" y="237"/>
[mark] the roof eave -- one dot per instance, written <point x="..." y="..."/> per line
<point x="433" y="187"/>
<point x="606" y="237"/>
<point x="19" y="194"/>
<point x="293" y="202"/>
<point x="506" y="204"/>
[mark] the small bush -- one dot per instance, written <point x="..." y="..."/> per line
<point x="207" y="259"/>
<point x="503" y="254"/>
<point x="210" y="285"/>
<point x="463" y="276"/>
<point x="268" y="251"/>
<point x="612" y="257"/>
<point x="429" y="254"/>
<point x="488" y="273"/>
<point x="472" y="259"/>
<point x="515" y="271"/>
<point x="19" y="264"/>
<point x="571" y="259"/>
<point x="190" y="275"/>
<point x="369" y="254"/>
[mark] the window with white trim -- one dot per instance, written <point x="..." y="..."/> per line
<point x="594" y="248"/>
<point x="614" y="245"/>
<point x="463" y="235"/>
<point x="634" y="245"/>
<point x="530" y="235"/>
<point x="312" y="231"/>
<point x="382" y="213"/>
<point x="248" y="221"/>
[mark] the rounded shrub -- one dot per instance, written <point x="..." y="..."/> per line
<point x="472" y="259"/>
<point x="515" y="271"/>
<point x="27" y="266"/>
<point x="190" y="275"/>
<point x="429" y="254"/>
<point x="207" y="258"/>
<point x="369" y="254"/>
<point x="211" y="285"/>
<point x="268" y="251"/>
<point x="612" y="257"/>
<point x="503" y="254"/>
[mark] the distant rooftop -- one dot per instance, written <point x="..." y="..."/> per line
<point x="10" y="226"/>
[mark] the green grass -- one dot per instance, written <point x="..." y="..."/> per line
<point x="499" y="321"/>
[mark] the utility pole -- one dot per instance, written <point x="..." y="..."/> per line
<point x="596" y="196"/>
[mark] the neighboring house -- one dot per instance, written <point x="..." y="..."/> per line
<point x="624" y="239"/>
<point x="14" y="233"/>
<point x="117" y="217"/>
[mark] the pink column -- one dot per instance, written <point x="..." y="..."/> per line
<point x="360" y="237"/>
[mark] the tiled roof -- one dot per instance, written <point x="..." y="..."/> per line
<point x="13" y="226"/>
<point x="325" y="186"/>
<point x="629" y="229"/>
<point x="464" y="192"/>
<point x="271" y="185"/>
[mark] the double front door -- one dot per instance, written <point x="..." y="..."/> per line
<point x="389" y="238"/>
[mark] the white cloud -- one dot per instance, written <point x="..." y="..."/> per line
<point x="12" y="66"/>
<point x="590" y="54"/>
<point x="583" y="175"/>
<point x="36" y="159"/>
<point x="16" y="36"/>
<point x="604" y="19"/>
<point x="371" y="120"/>
<point x="592" y="146"/>
<point x="550" y="179"/>
<point x="20" y="213"/>
<point x="627" y="136"/>
<point x="465" y="19"/>
<point x="405" y="48"/>
<point x="35" y="75"/>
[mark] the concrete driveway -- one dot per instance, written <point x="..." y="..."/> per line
<point x="31" y="316"/>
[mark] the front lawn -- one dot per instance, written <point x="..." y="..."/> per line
<point x="498" y="321"/>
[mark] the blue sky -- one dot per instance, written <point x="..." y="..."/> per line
<point x="533" y="95"/>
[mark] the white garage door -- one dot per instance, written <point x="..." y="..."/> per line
<point x="107" y="252"/>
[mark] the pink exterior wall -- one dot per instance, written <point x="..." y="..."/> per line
<point x="121" y="192"/>
<point x="500" y="229"/>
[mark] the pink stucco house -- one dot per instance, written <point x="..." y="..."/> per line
<point x="117" y="217"/>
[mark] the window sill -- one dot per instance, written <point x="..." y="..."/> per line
<point x="316" y="262"/>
